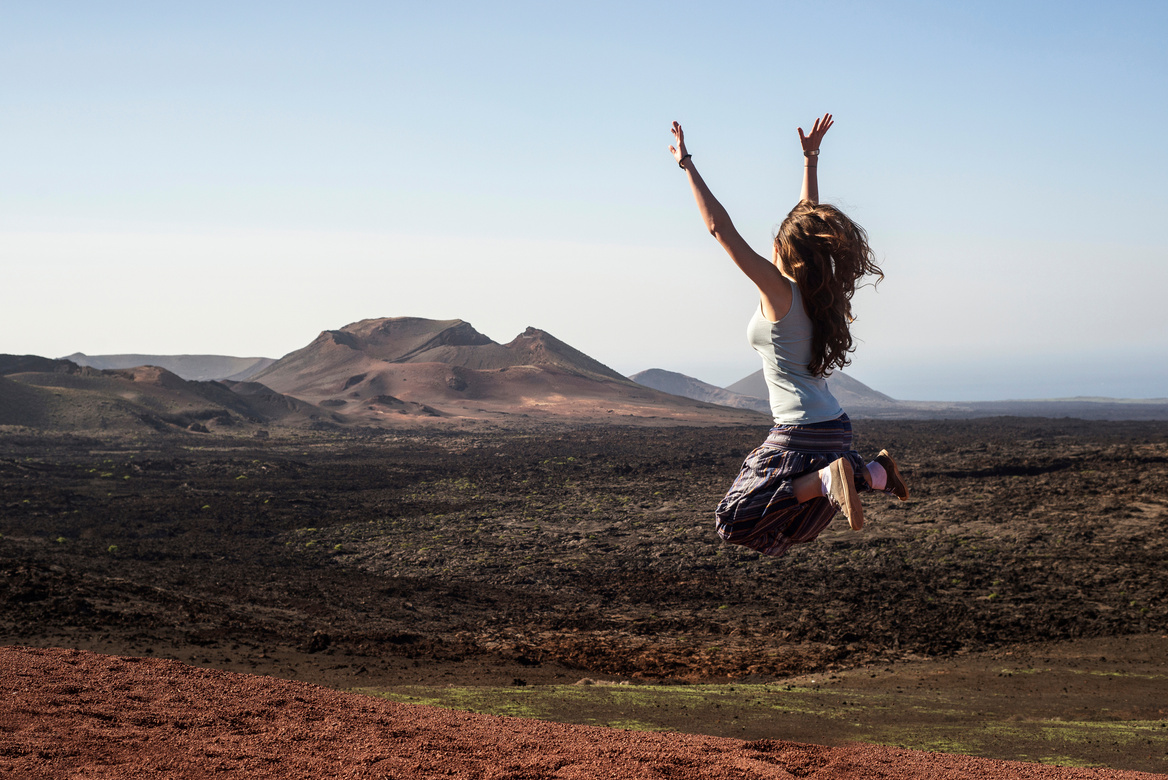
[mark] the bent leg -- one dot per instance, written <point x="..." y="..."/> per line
<point x="836" y="481"/>
<point x="882" y="474"/>
<point x="808" y="486"/>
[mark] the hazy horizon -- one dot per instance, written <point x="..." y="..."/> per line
<point x="986" y="390"/>
<point x="233" y="179"/>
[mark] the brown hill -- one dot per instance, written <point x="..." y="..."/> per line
<point x="689" y="387"/>
<point x="451" y="369"/>
<point x="37" y="392"/>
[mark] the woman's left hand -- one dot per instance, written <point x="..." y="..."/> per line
<point x="678" y="151"/>
<point x="811" y="142"/>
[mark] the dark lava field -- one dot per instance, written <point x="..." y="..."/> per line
<point x="557" y="551"/>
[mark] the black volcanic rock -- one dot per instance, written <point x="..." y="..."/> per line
<point x="19" y="364"/>
<point x="389" y="403"/>
<point x="269" y="405"/>
<point x="23" y="405"/>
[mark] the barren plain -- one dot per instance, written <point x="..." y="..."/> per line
<point x="1019" y="599"/>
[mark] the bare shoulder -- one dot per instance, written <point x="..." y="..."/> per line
<point x="776" y="300"/>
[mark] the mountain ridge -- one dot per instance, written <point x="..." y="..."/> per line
<point x="861" y="401"/>
<point x="690" y="387"/>
<point x="58" y="394"/>
<point x="202" y="368"/>
<point x="449" y="367"/>
<point x="848" y="390"/>
<point x="385" y="371"/>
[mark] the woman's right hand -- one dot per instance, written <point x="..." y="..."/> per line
<point x="678" y="151"/>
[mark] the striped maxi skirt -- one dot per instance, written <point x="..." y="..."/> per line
<point x="760" y="510"/>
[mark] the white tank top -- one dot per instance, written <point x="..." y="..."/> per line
<point x="797" y="396"/>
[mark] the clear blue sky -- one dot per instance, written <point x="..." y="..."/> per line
<point x="233" y="178"/>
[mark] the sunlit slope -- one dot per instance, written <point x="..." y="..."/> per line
<point x="450" y="367"/>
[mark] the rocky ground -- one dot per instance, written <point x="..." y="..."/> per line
<point x="492" y="556"/>
<point x="72" y="714"/>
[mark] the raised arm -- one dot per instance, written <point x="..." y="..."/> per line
<point x="776" y="292"/>
<point x="810" y="144"/>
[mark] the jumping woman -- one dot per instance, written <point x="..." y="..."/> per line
<point x="790" y="488"/>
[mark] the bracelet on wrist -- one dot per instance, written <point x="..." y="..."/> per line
<point x="811" y="153"/>
<point x="684" y="157"/>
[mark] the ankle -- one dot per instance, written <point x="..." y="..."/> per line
<point x="876" y="475"/>
<point x="825" y="481"/>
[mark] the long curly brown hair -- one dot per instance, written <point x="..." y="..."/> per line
<point x="827" y="254"/>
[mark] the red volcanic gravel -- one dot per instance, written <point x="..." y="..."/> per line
<point x="75" y="714"/>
